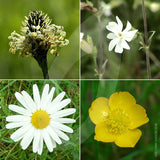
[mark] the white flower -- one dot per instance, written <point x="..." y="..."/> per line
<point x="81" y="36"/>
<point x="41" y="119"/>
<point x="106" y="9"/>
<point x="119" y="37"/>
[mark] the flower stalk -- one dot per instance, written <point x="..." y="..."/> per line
<point x="146" y="40"/>
<point x="100" y="38"/>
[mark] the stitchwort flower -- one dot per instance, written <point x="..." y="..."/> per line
<point x="117" y="119"/>
<point x="118" y="37"/>
<point x="38" y="36"/>
<point x="40" y="119"/>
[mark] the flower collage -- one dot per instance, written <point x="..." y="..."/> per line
<point x="80" y="80"/>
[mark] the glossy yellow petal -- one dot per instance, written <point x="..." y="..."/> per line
<point x="121" y="100"/>
<point x="102" y="134"/>
<point x="137" y="115"/>
<point x="99" y="110"/>
<point x="129" y="139"/>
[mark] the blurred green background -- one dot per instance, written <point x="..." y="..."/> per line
<point x="63" y="13"/>
<point x="147" y="94"/>
<point x="10" y="150"/>
<point x="131" y="64"/>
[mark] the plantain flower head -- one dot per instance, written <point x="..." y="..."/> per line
<point x="117" y="119"/>
<point x="38" y="36"/>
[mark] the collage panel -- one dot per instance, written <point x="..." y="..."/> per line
<point x="39" y="39"/>
<point x="39" y="119"/>
<point x="120" y="39"/>
<point x="120" y="119"/>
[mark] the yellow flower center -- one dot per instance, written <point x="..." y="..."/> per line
<point x="40" y="119"/>
<point x="117" y="122"/>
<point x="120" y="34"/>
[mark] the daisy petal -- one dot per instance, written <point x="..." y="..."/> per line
<point x="40" y="146"/>
<point x="65" y="120"/>
<point x="44" y="96"/>
<point x="47" y="140"/>
<point x="36" y="141"/>
<point x="63" y="113"/>
<point x="54" y="136"/>
<point x="30" y="103"/>
<point x="61" y="134"/>
<point x="62" y="127"/>
<point x="58" y="98"/>
<point x="36" y="95"/>
<point x="18" y="118"/>
<point x="16" y="125"/>
<point x="27" y="138"/>
<point x="19" y="110"/>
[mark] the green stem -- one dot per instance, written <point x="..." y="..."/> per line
<point x="146" y="40"/>
<point x="42" y="61"/>
<point x="100" y="39"/>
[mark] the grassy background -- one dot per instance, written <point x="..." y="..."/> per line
<point x="63" y="13"/>
<point x="131" y="64"/>
<point x="9" y="150"/>
<point x="147" y="94"/>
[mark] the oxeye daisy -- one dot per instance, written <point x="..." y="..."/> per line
<point x="41" y="119"/>
<point x="117" y="119"/>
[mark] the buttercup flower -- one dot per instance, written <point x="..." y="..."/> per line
<point x="117" y="119"/>
<point x="40" y="119"/>
<point x="118" y="37"/>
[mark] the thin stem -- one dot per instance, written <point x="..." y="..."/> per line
<point x="100" y="38"/>
<point x="146" y="40"/>
<point x="42" y="61"/>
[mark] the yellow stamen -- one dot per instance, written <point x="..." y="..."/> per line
<point x="40" y="119"/>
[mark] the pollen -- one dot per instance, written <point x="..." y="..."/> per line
<point x="40" y="119"/>
<point x="117" y="122"/>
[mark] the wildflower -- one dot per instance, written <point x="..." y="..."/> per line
<point x="41" y="119"/>
<point x="117" y="119"/>
<point x="106" y="9"/>
<point x="37" y="37"/>
<point x="154" y="7"/>
<point x="118" y="37"/>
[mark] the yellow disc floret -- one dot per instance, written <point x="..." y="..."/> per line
<point x="40" y="119"/>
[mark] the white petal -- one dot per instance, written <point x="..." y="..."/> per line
<point x="18" y="118"/>
<point x="59" y="98"/>
<point x="44" y="96"/>
<point x="47" y="140"/>
<point x="27" y="138"/>
<point x="120" y="24"/>
<point x="129" y="35"/>
<point x="119" y="48"/>
<point x="40" y="146"/>
<point x="36" y="140"/>
<point x="20" y="98"/>
<point x="125" y="45"/>
<point x="58" y="106"/>
<point x="36" y="96"/>
<point x="63" y="113"/>
<point x="19" y="133"/>
<point x="111" y="36"/>
<point x="113" y="43"/>
<point x="62" y="127"/>
<point x="61" y="134"/>
<point x="16" y="125"/>
<point x="65" y="120"/>
<point x="128" y="27"/>
<point x="54" y="136"/>
<point x="29" y="101"/>
<point x="112" y="26"/>
<point x="19" y="110"/>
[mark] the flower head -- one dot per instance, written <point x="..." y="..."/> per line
<point x="117" y="119"/>
<point x="40" y="119"/>
<point x="81" y="36"/>
<point x="106" y="9"/>
<point x="37" y="36"/>
<point x="118" y="37"/>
